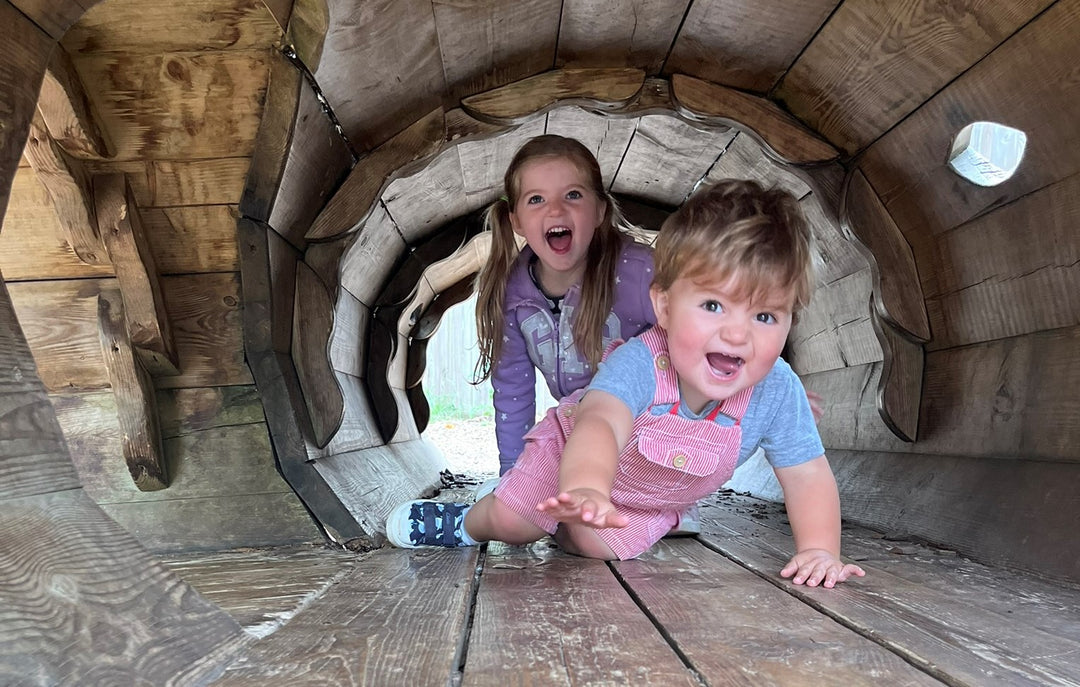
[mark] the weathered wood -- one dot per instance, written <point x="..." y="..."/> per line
<point x="836" y="329"/>
<point x="370" y="260"/>
<point x="184" y="411"/>
<point x="66" y="110"/>
<point x="745" y="46"/>
<point x="359" y="428"/>
<point x="950" y="637"/>
<point x="680" y="582"/>
<point x="312" y="322"/>
<point x="356" y="196"/>
<point x="170" y="92"/>
<point x="68" y="568"/>
<point x="907" y="166"/>
<point x="318" y="160"/>
<point x="839" y="257"/>
<point x="606" y="137"/>
<point x="852" y="91"/>
<point x="136" y="406"/>
<point x="548" y="632"/>
<point x="193" y="239"/>
<point x="283" y="259"/>
<point x="133" y="27"/>
<point x="489" y="44"/>
<point x="348" y="340"/>
<point x="35" y="458"/>
<point x="986" y="280"/>
<point x="898" y="295"/>
<point x="666" y="158"/>
<point x="55" y="18"/>
<point x="595" y="88"/>
<point x="423" y="202"/>
<point x="120" y="226"/>
<point x="271" y="152"/>
<point x="280" y="10"/>
<point x="780" y="135"/>
<point x="265" y="588"/>
<point x="744" y="159"/>
<point x="33" y="244"/>
<point x="900" y="387"/>
<point x="324" y="259"/>
<point x="388" y="51"/>
<point x="174" y="183"/>
<point x="397" y="616"/>
<point x="68" y="184"/>
<point x="637" y="34"/>
<point x="484" y="163"/>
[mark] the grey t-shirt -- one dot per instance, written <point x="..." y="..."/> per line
<point x="778" y="418"/>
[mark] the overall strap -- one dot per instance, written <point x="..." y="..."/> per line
<point x="667" y="384"/>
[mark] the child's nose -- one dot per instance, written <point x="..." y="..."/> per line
<point x="734" y="331"/>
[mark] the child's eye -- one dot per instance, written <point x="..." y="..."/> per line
<point x="574" y="195"/>
<point x="766" y="318"/>
<point x="712" y="306"/>
<point x="534" y="199"/>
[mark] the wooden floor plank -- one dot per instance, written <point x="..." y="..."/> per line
<point x="544" y="617"/>
<point x="396" y="619"/>
<point x="738" y="629"/>
<point x="263" y="588"/>
<point x="950" y="634"/>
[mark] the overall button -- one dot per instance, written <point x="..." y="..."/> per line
<point x="679" y="460"/>
<point x="662" y="362"/>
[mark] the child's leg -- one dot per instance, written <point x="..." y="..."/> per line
<point x="583" y="541"/>
<point x="491" y="520"/>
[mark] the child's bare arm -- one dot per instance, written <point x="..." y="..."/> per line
<point x="813" y="506"/>
<point x="587" y="469"/>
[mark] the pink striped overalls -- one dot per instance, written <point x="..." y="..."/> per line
<point x="668" y="464"/>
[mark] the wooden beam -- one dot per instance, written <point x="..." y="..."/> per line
<point x="136" y="272"/>
<point x="312" y="323"/>
<point x="68" y="184"/>
<point x="136" y="405"/>
<point x="780" y="135"/>
<point x="68" y="112"/>
<point x="595" y="88"/>
<point x="354" y="199"/>
<point x="900" y="388"/>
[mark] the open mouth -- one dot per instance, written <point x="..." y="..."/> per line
<point x="724" y="365"/>
<point x="559" y="239"/>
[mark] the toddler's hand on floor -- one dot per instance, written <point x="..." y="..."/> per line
<point x="583" y="507"/>
<point x="818" y="566"/>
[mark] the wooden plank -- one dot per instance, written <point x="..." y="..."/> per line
<point x="184" y="411"/>
<point x="348" y="340"/>
<point x="174" y="525"/>
<point x="35" y="457"/>
<point x="484" y="45"/>
<point x="484" y="163"/>
<point x="388" y="51"/>
<point x="836" y="329"/>
<point x="264" y="588"/>
<point x="32" y="243"/>
<point x="68" y="185"/>
<point x="68" y="567"/>
<point x="173" y="183"/>
<point x="607" y="137"/>
<point x="898" y="295"/>
<point x="839" y="257"/>
<point x="397" y="615"/>
<point x="55" y="18"/>
<point x="593" y="33"/>
<point x="871" y="65"/>
<point x="745" y="159"/>
<point x="907" y="166"/>
<point x="132" y="27"/>
<point x="371" y="258"/>
<point x="283" y="258"/>
<point x="312" y="323"/>
<point x="271" y="152"/>
<point x="745" y="46"/>
<point x="988" y="281"/>
<point x="429" y="198"/>
<point x="595" y="88"/>
<point x="170" y="93"/>
<point x="27" y="56"/>
<point x="136" y="406"/>
<point x="358" y="427"/>
<point x="324" y="259"/>
<point x="947" y="636"/>
<point x="318" y="160"/>
<point x="779" y="134"/>
<point x="186" y="240"/>
<point x="125" y="241"/>
<point x="666" y="158"/>
<point x="900" y="389"/>
<point x="67" y="112"/>
<point x="524" y="621"/>
<point x="356" y="196"/>
<point x="735" y="628"/>
<point x="205" y="311"/>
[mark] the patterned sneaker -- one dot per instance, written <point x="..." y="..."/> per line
<point x="424" y="523"/>
<point x="486" y="488"/>
<point x="689" y="523"/>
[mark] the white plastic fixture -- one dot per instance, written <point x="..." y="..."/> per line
<point x="987" y="153"/>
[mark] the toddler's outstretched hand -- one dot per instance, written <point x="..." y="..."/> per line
<point x="583" y="507"/>
<point x="818" y="566"/>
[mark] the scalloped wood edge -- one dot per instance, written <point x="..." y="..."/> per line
<point x="604" y="89"/>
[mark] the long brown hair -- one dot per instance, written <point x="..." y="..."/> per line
<point x="598" y="285"/>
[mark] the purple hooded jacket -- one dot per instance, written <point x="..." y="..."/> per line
<point x="533" y="339"/>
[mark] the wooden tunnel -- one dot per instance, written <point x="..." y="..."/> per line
<point x="231" y="227"/>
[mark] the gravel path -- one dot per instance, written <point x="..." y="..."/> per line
<point x="468" y="445"/>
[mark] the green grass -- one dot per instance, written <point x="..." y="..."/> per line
<point x="445" y="408"/>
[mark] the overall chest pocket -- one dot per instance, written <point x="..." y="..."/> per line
<point x="677" y="457"/>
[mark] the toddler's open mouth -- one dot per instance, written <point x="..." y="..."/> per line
<point x="724" y="365"/>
